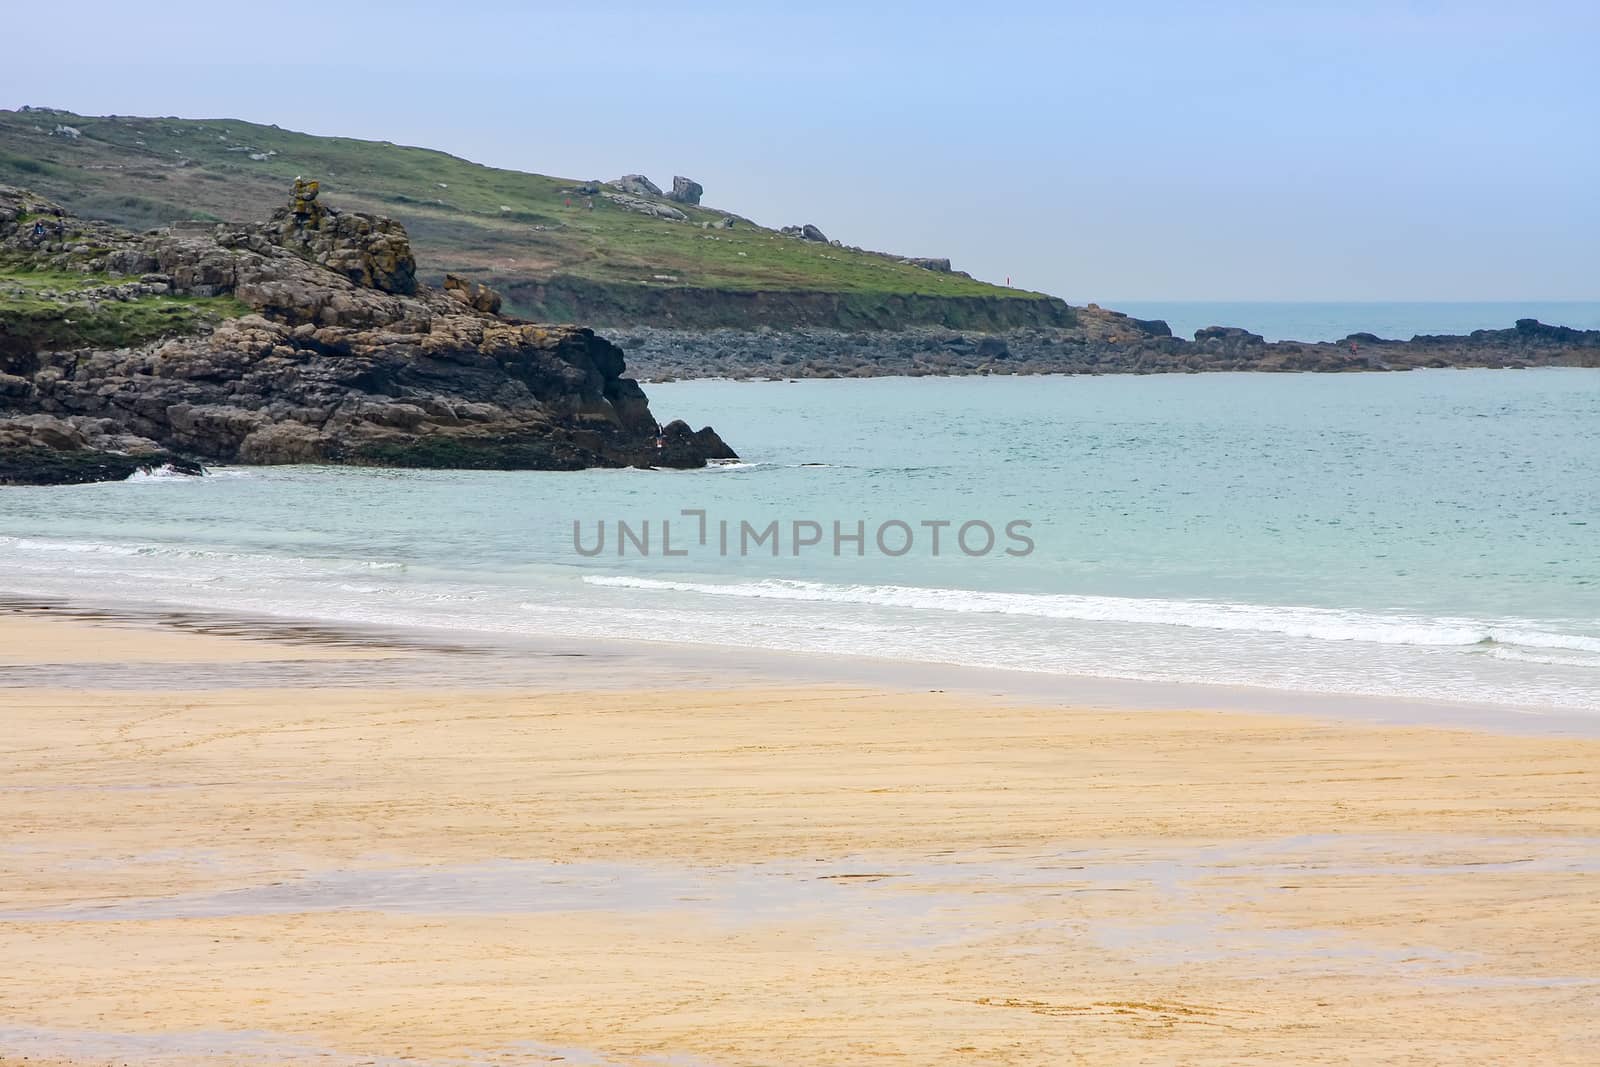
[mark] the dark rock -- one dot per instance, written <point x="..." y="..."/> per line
<point x="1154" y="327"/>
<point x="45" y="450"/>
<point x="337" y="363"/>
<point x="1228" y="335"/>
<point x="1100" y="342"/>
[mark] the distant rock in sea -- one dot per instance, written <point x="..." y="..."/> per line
<point x="1094" y="341"/>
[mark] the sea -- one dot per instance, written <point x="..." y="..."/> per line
<point x="1431" y="535"/>
<point x="1394" y="320"/>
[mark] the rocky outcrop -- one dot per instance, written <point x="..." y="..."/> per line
<point x="807" y="232"/>
<point x="43" y="450"/>
<point x="341" y="358"/>
<point x="939" y="265"/>
<point x="646" y="207"/>
<point x="472" y="294"/>
<point x="637" y="185"/>
<point x="686" y="190"/>
<point x="1100" y="342"/>
<point x="370" y="250"/>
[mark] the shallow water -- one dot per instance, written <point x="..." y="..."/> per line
<point x="1428" y="535"/>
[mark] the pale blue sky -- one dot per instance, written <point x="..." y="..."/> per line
<point x="1342" y="151"/>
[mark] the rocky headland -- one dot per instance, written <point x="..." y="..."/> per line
<point x="1098" y="341"/>
<point x="302" y="339"/>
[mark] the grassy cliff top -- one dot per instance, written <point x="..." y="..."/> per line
<point x="462" y="216"/>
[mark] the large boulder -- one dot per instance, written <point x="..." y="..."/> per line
<point x="637" y="185"/>
<point x="806" y="232"/>
<point x="686" y="190"/>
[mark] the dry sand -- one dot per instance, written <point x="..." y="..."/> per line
<point x="779" y="876"/>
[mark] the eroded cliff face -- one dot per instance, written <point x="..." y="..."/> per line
<point x="568" y="299"/>
<point x="339" y="356"/>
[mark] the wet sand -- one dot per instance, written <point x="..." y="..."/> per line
<point x="198" y="871"/>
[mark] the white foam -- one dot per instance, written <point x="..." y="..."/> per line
<point x="1321" y="624"/>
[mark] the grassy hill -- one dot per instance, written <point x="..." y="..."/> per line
<point x="528" y="234"/>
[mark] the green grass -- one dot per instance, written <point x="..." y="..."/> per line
<point x="14" y="274"/>
<point x="62" y="323"/>
<point x="142" y="172"/>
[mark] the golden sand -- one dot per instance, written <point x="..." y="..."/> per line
<point x="779" y="876"/>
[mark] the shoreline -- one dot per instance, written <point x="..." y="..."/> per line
<point x="638" y="661"/>
<point x="1101" y="342"/>
<point x="288" y="844"/>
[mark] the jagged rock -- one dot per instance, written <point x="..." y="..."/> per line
<point x="637" y="184"/>
<point x="475" y="296"/>
<point x="329" y="367"/>
<point x="1229" y="335"/>
<point x="44" y="450"/>
<point x="646" y="207"/>
<point x="686" y="190"/>
<point x="806" y="232"/>
<point x="940" y="265"/>
<point x="370" y="250"/>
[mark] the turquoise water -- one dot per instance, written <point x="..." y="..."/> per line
<point x="1430" y="534"/>
<point x="1323" y="321"/>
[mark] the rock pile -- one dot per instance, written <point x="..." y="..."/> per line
<point x="370" y="250"/>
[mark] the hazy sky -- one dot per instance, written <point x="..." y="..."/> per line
<point x="1342" y="151"/>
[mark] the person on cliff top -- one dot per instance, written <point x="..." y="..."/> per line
<point x="38" y="230"/>
<point x="661" y="438"/>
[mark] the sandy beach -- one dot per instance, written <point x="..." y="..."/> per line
<point x="760" y="874"/>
